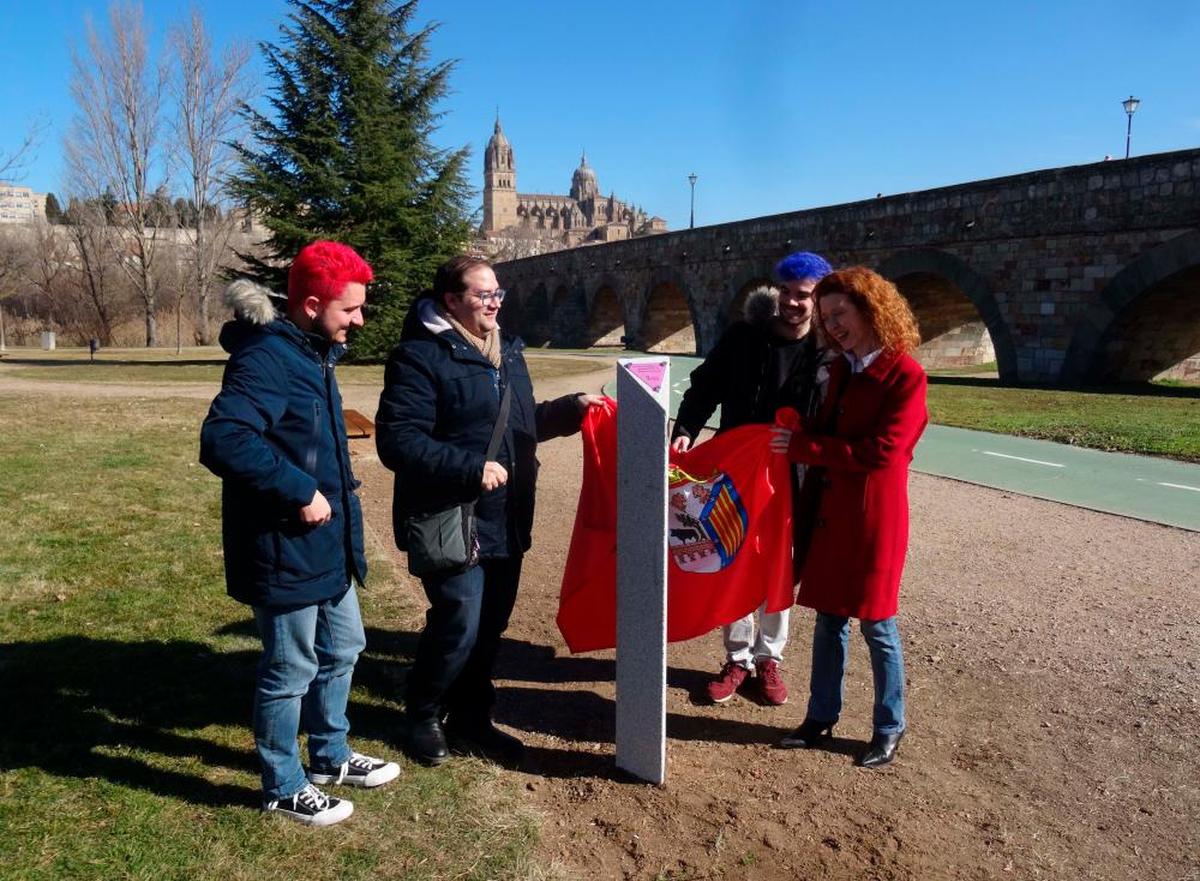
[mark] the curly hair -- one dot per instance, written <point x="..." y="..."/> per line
<point x="880" y="302"/>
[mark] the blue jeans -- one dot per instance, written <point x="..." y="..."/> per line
<point x="304" y="678"/>
<point x="452" y="672"/>
<point x="830" y="649"/>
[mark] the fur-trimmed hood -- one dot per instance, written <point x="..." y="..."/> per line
<point x="252" y="302"/>
<point x="762" y="304"/>
<point x="257" y="310"/>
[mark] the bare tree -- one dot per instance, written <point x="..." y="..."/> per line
<point x="13" y="258"/>
<point x="14" y="160"/>
<point x="91" y="238"/>
<point x="207" y="94"/>
<point x="113" y="146"/>
<point x="48" y="268"/>
<point x="520" y="241"/>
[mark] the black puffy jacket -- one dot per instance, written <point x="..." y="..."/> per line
<point x="275" y="435"/>
<point x="439" y="403"/>
<point x="735" y="378"/>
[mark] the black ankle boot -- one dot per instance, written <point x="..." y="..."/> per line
<point x="427" y="743"/>
<point x="880" y="751"/>
<point x="810" y="734"/>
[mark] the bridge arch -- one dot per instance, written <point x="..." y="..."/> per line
<point x="606" y="317"/>
<point x="743" y="283"/>
<point x="568" y="316"/>
<point x="1147" y="321"/>
<point x="667" y="323"/>
<point x="950" y="300"/>
<point x="511" y="311"/>
<point x="535" y="316"/>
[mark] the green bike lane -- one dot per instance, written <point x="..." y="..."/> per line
<point x="1143" y="487"/>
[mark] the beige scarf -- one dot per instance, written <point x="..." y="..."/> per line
<point x="488" y="346"/>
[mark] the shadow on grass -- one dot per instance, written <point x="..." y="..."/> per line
<point x="126" y="712"/>
<point x="81" y="707"/>
<point x="130" y="712"/>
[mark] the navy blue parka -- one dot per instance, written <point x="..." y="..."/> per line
<point x="440" y="399"/>
<point x="275" y="435"/>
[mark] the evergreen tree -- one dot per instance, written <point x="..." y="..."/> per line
<point x="347" y="153"/>
<point x="54" y="212"/>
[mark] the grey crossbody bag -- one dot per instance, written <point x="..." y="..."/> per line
<point x="446" y="541"/>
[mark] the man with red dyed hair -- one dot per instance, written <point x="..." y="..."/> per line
<point x="292" y="525"/>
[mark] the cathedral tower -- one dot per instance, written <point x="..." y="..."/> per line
<point x="499" y="183"/>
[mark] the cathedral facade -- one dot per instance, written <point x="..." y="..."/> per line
<point x="523" y="224"/>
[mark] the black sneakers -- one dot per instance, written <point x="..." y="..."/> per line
<point x="311" y="807"/>
<point x="358" y="770"/>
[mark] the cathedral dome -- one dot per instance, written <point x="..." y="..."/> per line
<point x="583" y="181"/>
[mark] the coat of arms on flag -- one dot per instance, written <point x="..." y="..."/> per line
<point x="707" y="521"/>
<point x="729" y="533"/>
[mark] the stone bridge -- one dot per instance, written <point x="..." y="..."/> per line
<point x="1083" y="274"/>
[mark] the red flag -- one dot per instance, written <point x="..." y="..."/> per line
<point x="729" y="534"/>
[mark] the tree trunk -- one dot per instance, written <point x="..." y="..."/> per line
<point x="204" y="336"/>
<point x="151" y="328"/>
<point x="202" y="277"/>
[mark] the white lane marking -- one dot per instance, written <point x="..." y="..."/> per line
<point x="1023" y="459"/>
<point x="1195" y="489"/>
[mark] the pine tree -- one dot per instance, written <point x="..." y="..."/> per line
<point x="347" y="153"/>
<point x="54" y="212"/>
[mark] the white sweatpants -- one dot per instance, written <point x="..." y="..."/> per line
<point x="745" y="644"/>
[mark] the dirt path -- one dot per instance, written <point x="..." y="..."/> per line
<point x="361" y="397"/>
<point x="1054" y="710"/>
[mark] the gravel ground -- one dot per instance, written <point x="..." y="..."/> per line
<point x="1054" y="711"/>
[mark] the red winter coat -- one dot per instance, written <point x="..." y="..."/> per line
<point x="860" y="534"/>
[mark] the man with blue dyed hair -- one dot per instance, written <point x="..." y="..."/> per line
<point x="765" y="361"/>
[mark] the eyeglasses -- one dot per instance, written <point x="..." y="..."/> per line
<point x="486" y="297"/>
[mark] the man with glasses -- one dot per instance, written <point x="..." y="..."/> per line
<point x="444" y="393"/>
<point x="766" y="361"/>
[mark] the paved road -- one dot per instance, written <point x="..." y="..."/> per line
<point x="1158" y="490"/>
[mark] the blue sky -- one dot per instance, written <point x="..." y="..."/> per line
<point x="776" y="106"/>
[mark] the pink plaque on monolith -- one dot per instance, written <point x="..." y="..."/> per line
<point x="649" y="372"/>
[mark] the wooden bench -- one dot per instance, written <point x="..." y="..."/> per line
<point x="357" y="425"/>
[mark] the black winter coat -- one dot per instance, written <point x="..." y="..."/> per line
<point x="440" y="401"/>
<point x="735" y="377"/>
<point x="275" y="435"/>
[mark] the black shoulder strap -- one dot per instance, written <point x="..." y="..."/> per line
<point x="501" y="423"/>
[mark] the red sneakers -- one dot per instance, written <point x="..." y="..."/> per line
<point x="770" y="683"/>
<point x="727" y="683"/>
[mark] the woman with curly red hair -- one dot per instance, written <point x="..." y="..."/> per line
<point x="859" y="446"/>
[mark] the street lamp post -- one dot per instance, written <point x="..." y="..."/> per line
<point x="1130" y="104"/>
<point x="692" y="180"/>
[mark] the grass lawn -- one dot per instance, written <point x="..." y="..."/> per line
<point x="125" y="750"/>
<point x="1161" y="421"/>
